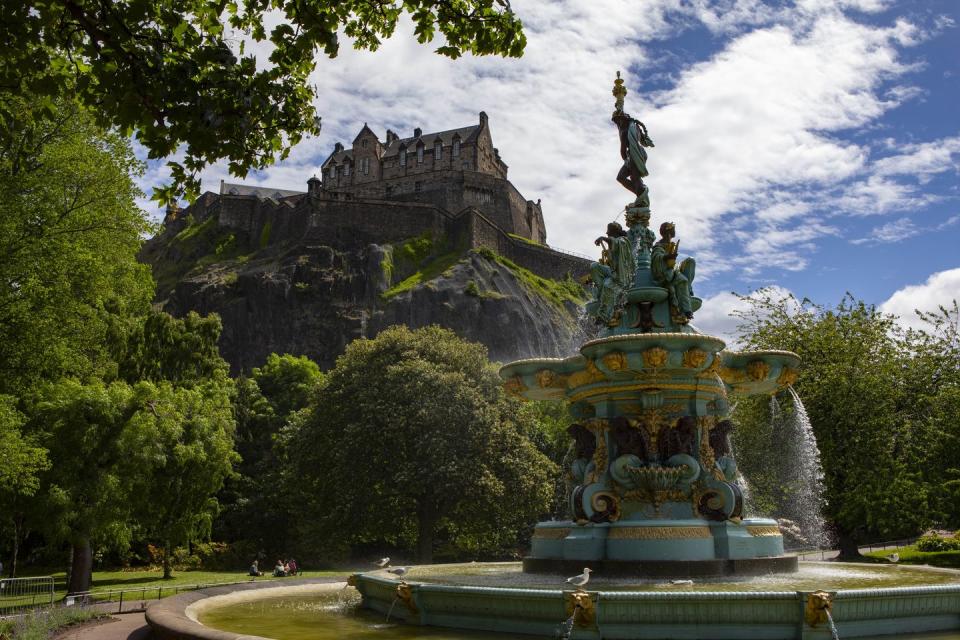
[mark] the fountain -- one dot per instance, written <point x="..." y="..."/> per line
<point x="655" y="504"/>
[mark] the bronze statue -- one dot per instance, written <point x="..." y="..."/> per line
<point x="677" y="281"/>
<point x="680" y="439"/>
<point x="584" y="442"/>
<point x="613" y="274"/>
<point x="630" y="440"/>
<point x="720" y="438"/>
<point x="633" y="139"/>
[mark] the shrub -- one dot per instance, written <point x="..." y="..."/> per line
<point x="933" y="542"/>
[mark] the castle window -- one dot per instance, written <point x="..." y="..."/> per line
<point x="418" y="187"/>
<point x="419" y="154"/>
<point x="346" y="170"/>
<point x="437" y="151"/>
<point x="365" y="166"/>
<point x="389" y="190"/>
<point x="466" y="164"/>
<point x="364" y="143"/>
<point x="403" y="157"/>
<point x="456" y="147"/>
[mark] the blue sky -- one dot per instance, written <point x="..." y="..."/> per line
<point x="811" y="145"/>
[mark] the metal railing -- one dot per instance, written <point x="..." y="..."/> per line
<point x="826" y="554"/>
<point x="19" y="594"/>
<point x="135" y="598"/>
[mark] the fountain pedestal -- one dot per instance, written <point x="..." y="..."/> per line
<point x="652" y="479"/>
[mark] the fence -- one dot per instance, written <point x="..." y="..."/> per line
<point x="135" y="598"/>
<point x="827" y="554"/>
<point x="19" y="594"/>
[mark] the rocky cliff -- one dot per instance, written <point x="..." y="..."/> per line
<point x="312" y="296"/>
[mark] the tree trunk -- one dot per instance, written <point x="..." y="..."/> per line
<point x="849" y="548"/>
<point x="167" y="571"/>
<point x="426" y="524"/>
<point x="17" y="532"/>
<point x="81" y="567"/>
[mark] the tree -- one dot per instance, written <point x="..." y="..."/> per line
<point x="852" y="386"/>
<point x="932" y="382"/>
<point x="178" y="76"/>
<point x="69" y="234"/>
<point x="411" y="441"/>
<point x="183" y="351"/>
<point x="184" y="440"/>
<point x="21" y="462"/>
<point x="85" y="495"/>
<point x="253" y="509"/>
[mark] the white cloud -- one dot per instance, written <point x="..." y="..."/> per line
<point x="717" y="315"/>
<point x="756" y="126"/>
<point x="894" y="231"/>
<point x="922" y="159"/>
<point x="941" y="288"/>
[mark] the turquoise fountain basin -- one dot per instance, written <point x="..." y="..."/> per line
<point x="867" y="601"/>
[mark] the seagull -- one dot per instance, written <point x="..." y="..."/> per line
<point x="681" y="582"/>
<point x="398" y="571"/>
<point x="582" y="579"/>
<point x="894" y="557"/>
<point x="384" y="562"/>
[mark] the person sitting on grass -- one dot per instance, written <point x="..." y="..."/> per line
<point x="278" y="571"/>
<point x="292" y="567"/>
<point x="255" y="569"/>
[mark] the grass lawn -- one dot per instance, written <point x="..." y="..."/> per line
<point x="910" y="555"/>
<point x="146" y="584"/>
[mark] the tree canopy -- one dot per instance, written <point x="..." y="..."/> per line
<point x="879" y="400"/>
<point x="411" y="442"/>
<point x="185" y="75"/>
<point x="69" y="234"/>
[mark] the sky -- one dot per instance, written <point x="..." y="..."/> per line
<point x="808" y="145"/>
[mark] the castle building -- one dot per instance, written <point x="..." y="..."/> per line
<point x="452" y="169"/>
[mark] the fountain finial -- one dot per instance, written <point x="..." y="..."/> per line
<point x="619" y="92"/>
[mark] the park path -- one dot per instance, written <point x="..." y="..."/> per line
<point x="124" y="626"/>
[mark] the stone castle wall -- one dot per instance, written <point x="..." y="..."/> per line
<point x="360" y="222"/>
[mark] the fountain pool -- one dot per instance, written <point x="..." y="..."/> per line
<point x="319" y="612"/>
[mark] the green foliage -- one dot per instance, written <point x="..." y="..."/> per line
<point x="912" y="555"/>
<point x="265" y="234"/>
<point x="472" y="289"/>
<point x="44" y="624"/>
<point x="185" y="444"/>
<point x="412" y="442"/>
<point x="863" y="408"/>
<point x="557" y="292"/>
<point x="177" y="75"/>
<point x="933" y="542"/>
<point x="253" y="508"/>
<point x="21" y="460"/>
<point x="180" y="350"/>
<point x="416" y="250"/>
<point x="288" y="382"/>
<point x="433" y="269"/>
<point x="386" y="265"/>
<point x="69" y="234"/>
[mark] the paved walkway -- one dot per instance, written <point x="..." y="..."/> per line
<point x="125" y="626"/>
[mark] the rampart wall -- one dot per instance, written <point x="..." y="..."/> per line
<point x="358" y="223"/>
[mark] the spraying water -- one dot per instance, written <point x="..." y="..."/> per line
<point x="802" y="473"/>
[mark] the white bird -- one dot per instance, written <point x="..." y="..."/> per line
<point x="398" y="571"/>
<point x="582" y="579"/>
<point x="383" y="562"/>
<point x="681" y="582"/>
<point x="894" y="557"/>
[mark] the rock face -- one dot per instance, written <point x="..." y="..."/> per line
<point x="313" y="299"/>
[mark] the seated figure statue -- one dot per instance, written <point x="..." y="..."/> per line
<point x="613" y="274"/>
<point x="677" y="281"/>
